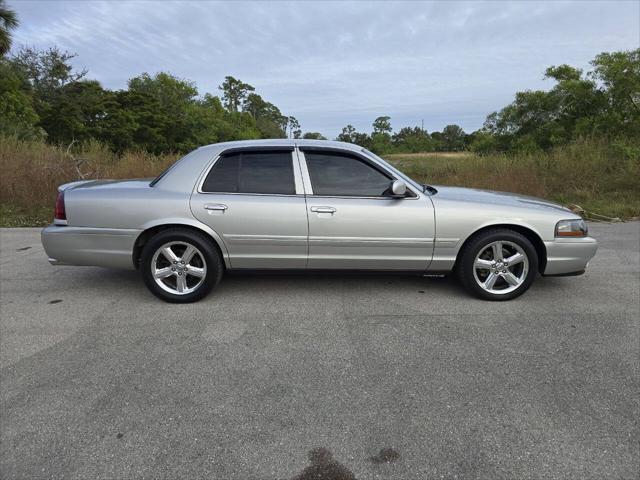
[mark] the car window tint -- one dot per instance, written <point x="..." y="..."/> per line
<point x="268" y="172"/>
<point x="223" y="177"/>
<point x="335" y="174"/>
<point x="252" y="172"/>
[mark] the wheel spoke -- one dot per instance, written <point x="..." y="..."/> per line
<point x="188" y="254"/>
<point x="511" y="278"/>
<point x="181" y="283"/>
<point x="482" y="264"/>
<point x="515" y="259"/>
<point x="169" y="255"/>
<point x="163" y="272"/>
<point x="497" y="250"/>
<point x="185" y="260"/>
<point x="490" y="281"/>
<point x="196" y="271"/>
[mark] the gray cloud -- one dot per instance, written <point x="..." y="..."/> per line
<point x="333" y="63"/>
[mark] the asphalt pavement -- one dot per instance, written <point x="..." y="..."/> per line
<point x="281" y="377"/>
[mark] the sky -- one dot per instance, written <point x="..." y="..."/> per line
<point x="332" y="63"/>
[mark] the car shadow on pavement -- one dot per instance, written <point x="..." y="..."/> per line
<point x="129" y="282"/>
<point x="324" y="467"/>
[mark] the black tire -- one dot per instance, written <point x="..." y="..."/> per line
<point x="213" y="264"/>
<point x="465" y="265"/>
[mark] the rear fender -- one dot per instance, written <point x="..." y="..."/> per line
<point x="194" y="224"/>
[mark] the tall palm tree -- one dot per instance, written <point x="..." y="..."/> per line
<point x="8" y="21"/>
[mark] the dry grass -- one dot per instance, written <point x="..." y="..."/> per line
<point x="429" y="156"/>
<point x="599" y="177"/>
<point x="32" y="171"/>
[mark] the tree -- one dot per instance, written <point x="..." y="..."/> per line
<point x="604" y="103"/>
<point x="172" y="93"/>
<point x="234" y="93"/>
<point x="382" y="125"/>
<point x="17" y="114"/>
<point x="134" y="120"/>
<point x="412" y="139"/>
<point x="381" y="135"/>
<point x="453" y="138"/>
<point x="8" y="22"/>
<point x="75" y="113"/>
<point x="347" y="135"/>
<point x="268" y="118"/>
<point x="313" y="136"/>
<point x="483" y="143"/>
<point x="47" y="70"/>
<point x="619" y="74"/>
<point x="255" y="105"/>
<point x="294" y="127"/>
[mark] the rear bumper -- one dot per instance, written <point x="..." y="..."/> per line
<point x="103" y="247"/>
<point x="569" y="256"/>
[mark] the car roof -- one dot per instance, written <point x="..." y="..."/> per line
<point x="188" y="168"/>
<point x="283" y="142"/>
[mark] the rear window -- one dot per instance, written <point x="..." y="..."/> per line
<point x="252" y="172"/>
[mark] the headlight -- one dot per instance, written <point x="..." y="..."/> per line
<point x="571" y="228"/>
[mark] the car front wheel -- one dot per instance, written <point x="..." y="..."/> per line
<point x="497" y="264"/>
<point x="180" y="266"/>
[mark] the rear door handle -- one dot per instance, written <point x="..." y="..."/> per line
<point x="323" y="209"/>
<point x="215" y="206"/>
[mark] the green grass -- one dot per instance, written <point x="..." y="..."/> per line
<point x="12" y="216"/>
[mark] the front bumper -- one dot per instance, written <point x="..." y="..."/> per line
<point x="569" y="256"/>
<point x="103" y="247"/>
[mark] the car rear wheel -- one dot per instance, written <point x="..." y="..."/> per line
<point x="180" y="266"/>
<point x="497" y="264"/>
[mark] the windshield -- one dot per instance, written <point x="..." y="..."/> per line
<point x="387" y="165"/>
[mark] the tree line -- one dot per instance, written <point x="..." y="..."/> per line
<point x="603" y="103"/>
<point x="42" y="97"/>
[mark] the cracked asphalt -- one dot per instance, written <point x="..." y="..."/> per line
<point x="330" y="376"/>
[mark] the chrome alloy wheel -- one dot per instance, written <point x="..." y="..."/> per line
<point x="501" y="267"/>
<point x="178" y="268"/>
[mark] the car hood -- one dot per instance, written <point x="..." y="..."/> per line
<point x="490" y="197"/>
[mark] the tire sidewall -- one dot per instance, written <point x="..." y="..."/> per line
<point x="210" y="254"/>
<point x="466" y="272"/>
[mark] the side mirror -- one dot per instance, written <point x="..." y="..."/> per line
<point x="398" y="189"/>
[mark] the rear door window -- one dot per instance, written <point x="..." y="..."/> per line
<point x="268" y="172"/>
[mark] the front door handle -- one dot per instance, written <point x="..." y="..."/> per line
<point x="323" y="209"/>
<point x="215" y="206"/>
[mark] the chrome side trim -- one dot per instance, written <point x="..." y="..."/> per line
<point x="73" y="230"/>
<point x="253" y="194"/>
<point x="347" y="197"/>
<point x="446" y="242"/>
<point x="368" y="241"/>
<point x="268" y="239"/>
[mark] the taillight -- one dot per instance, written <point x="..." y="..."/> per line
<point x="60" y="214"/>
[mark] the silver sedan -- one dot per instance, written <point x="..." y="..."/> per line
<point x="309" y="206"/>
